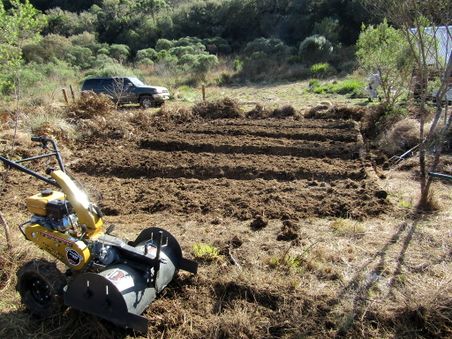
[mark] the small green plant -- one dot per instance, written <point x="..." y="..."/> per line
<point x="205" y="252"/>
<point x="405" y="204"/>
<point x="290" y="262"/>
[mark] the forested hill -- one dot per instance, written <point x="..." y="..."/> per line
<point x="140" y="23"/>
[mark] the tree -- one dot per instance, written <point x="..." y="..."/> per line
<point x="383" y="50"/>
<point x="418" y="22"/>
<point x="18" y="26"/>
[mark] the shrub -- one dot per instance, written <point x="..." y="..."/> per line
<point x="163" y="44"/>
<point x="269" y="47"/>
<point x="148" y="53"/>
<point x="110" y="69"/>
<point x="322" y="70"/>
<point x="315" y="49"/>
<point x="119" y="52"/>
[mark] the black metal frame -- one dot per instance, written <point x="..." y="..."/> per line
<point x="44" y="143"/>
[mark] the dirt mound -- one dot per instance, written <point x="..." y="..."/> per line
<point x="221" y="109"/>
<point x="90" y="105"/>
<point x="285" y="112"/>
<point x="336" y="112"/>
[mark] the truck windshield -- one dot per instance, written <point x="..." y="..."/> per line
<point x="136" y="82"/>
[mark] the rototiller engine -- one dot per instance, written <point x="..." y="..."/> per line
<point x="107" y="276"/>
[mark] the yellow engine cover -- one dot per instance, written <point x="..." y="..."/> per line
<point x="71" y="251"/>
<point x="37" y="203"/>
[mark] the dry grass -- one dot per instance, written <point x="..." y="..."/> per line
<point x="90" y="105"/>
<point x="224" y="108"/>
<point x="347" y="227"/>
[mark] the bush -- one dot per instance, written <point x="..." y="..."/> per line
<point x="315" y="49"/>
<point x="270" y="47"/>
<point x="148" y="53"/>
<point x="119" y="52"/>
<point x="322" y="70"/>
<point x="110" y="69"/>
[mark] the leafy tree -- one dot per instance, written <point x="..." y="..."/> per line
<point x="382" y="49"/>
<point x="68" y="23"/>
<point x="18" y="26"/>
<point x="418" y="22"/>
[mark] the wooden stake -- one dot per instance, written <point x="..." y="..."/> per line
<point x="65" y="96"/>
<point x="72" y="93"/>
<point x="7" y="234"/>
<point x="203" y="93"/>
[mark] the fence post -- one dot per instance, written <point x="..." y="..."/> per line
<point x="65" y="96"/>
<point x="203" y="93"/>
<point x="72" y="93"/>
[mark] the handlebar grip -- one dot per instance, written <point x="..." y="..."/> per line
<point x="39" y="139"/>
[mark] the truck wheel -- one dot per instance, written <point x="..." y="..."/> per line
<point x="146" y="101"/>
<point x="40" y="285"/>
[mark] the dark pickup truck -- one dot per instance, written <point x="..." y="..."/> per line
<point x="127" y="90"/>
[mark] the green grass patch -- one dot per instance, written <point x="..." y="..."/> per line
<point x="352" y="87"/>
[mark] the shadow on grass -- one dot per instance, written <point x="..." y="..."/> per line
<point x="403" y="321"/>
<point x="70" y="324"/>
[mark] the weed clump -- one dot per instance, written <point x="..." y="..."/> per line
<point x="90" y="105"/>
<point x="347" y="227"/>
<point x="222" y="109"/>
<point x="205" y="252"/>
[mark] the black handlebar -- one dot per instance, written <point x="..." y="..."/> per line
<point x="54" y="153"/>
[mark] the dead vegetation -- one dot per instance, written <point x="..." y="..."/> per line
<point x="328" y="111"/>
<point x="222" y="109"/>
<point x="90" y="105"/>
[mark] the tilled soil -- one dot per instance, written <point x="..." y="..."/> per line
<point x="235" y="168"/>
